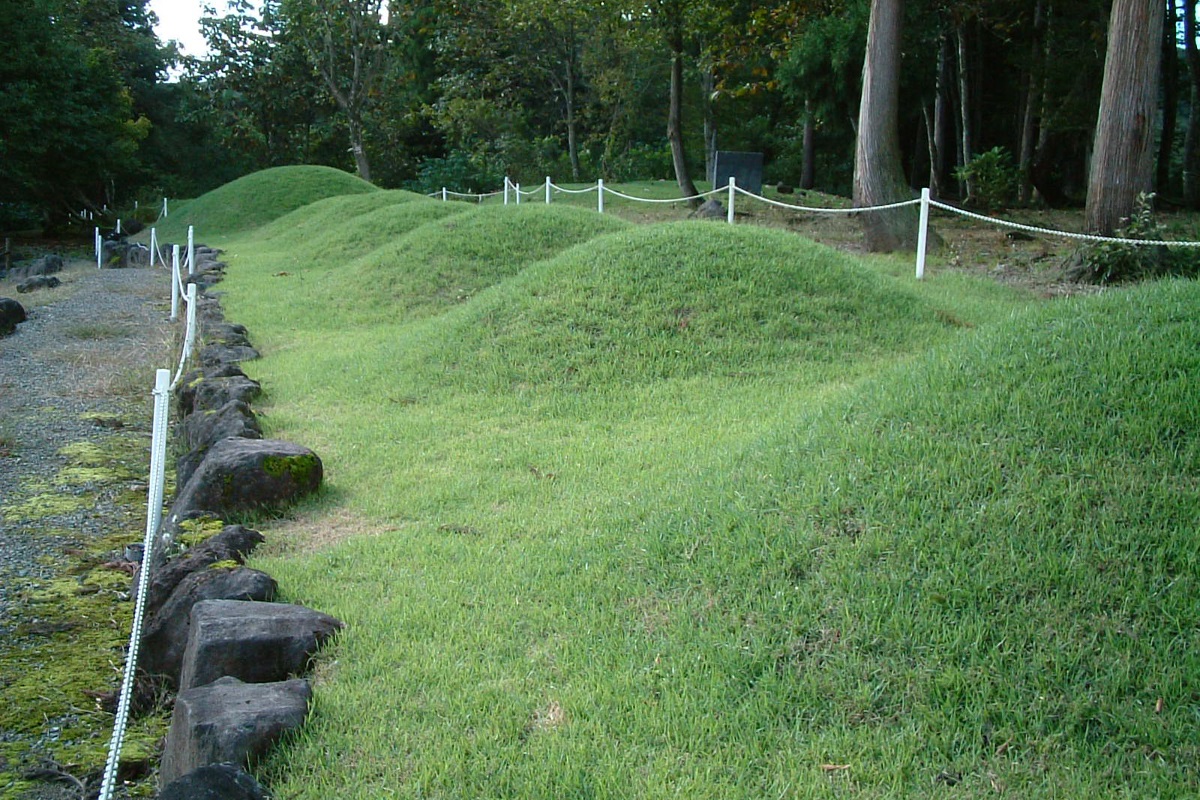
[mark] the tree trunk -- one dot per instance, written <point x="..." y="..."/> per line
<point x="1170" y="104"/>
<point x="808" y="170"/>
<point x="1191" y="141"/>
<point x="878" y="172"/>
<point x="360" y="152"/>
<point x="675" y="111"/>
<point x="1033" y="103"/>
<point x="1122" y="156"/>
<point x="937" y="170"/>
<point x="572" y="122"/>
<point x="964" y="105"/>
<point x="708" y="83"/>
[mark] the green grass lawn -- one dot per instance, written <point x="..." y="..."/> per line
<point x="708" y="511"/>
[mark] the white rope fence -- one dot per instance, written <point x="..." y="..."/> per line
<point x="732" y="190"/>
<point x="163" y="385"/>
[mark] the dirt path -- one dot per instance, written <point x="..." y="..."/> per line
<point x="75" y="417"/>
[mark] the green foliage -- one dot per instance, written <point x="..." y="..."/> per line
<point x="459" y="171"/>
<point x="1116" y="262"/>
<point x="995" y="178"/>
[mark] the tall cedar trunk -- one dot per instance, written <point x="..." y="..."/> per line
<point x="808" y="170"/>
<point x="1122" y="156"/>
<point x="1033" y="102"/>
<point x="928" y="115"/>
<point x="1170" y="103"/>
<point x="878" y="172"/>
<point x="572" y="123"/>
<point x="1191" y="141"/>
<point x="675" y="111"/>
<point x="708" y="83"/>
<point x="941" y="123"/>
<point x="964" y="105"/>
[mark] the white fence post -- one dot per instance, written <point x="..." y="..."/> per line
<point x="154" y="245"/>
<point x="99" y="242"/>
<point x="174" y="282"/>
<point x="444" y="194"/>
<point x="732" y="194"/>
<point x="923" y="233"/>
<point x="547" y="190"/>
<point x="600" y="195"/>
<point x="118" y="226"/>
<point x="164" y="206"/>
<point x="517" y="189"/>
<point x="505" y="190"/>
<point x="191" y="253"/>
<point x="190" y="336"/>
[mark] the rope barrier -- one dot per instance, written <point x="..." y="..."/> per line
<point x="925" y="202"/>
<point x="158" y="452"/>
<point x="564" y="190"/>
<point x="1088" y="237"/>
<point x="700" y="196"/>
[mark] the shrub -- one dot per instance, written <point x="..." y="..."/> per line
<point x="1116" y="262"/>
<point x="994" y="176"/>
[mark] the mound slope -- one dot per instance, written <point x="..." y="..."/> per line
<point x="447" y="262"/>
<point x="678" y="300"/>
<point x="260" y="197"/>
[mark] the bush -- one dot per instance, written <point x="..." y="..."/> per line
<point x="994" y="176"/>
<point x="1115" y="262"/>
<point x="459" y="171"/>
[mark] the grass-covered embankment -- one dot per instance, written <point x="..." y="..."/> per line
<point x="715" y="512"/>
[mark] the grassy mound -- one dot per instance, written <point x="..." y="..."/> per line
<point x="708" y="510"/>
<point x="260" y="197"/>
<point x="323" y="218"/>
<point x="448" y="262"/>
<point x="983" y="567"/>
<point x="679" y="300"/>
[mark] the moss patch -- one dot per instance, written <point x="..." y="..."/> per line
<point x="300" y="467"/>
<point x="46" y="504"/>
<point x="61" y="668"/>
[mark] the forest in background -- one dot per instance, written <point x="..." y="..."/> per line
<point x="998" y="99"/>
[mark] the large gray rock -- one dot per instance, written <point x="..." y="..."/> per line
<point x="709" y="209"/>
<point x="205" y="428"/>
<point x="166" y="634"/>
<point x="185" y="390"/>
<point x="217" y="354"/>
<point x="230" y="722"/>
<point x="12" y="314"/>
<point x="209" y="394"/>
<point x="46" y="265"/>
<point x="239" y="475"/>
<point x="123" y="254"/>
<point x="226" y="333"/>
<point x="202" y="429"/>
<point x="253" y="642"/>
<point x="233" y="543"/>
<point x="38" y="282"/>
<point x="215" y="782"/>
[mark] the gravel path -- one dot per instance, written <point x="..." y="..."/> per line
<point x="79" y="370"/>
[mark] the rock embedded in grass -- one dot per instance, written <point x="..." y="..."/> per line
<point x="252" y="641"/>
<point x="229" y="721"/>
<point x="239" y="475"/>
<point x="12" y="314"/>
<point x="166" y="635"/>
<point x="214" y="782"/>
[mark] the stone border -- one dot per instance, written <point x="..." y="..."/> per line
<point x="213" y="633"/>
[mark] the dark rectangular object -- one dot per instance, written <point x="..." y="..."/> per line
<point x="745" y="168"/>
